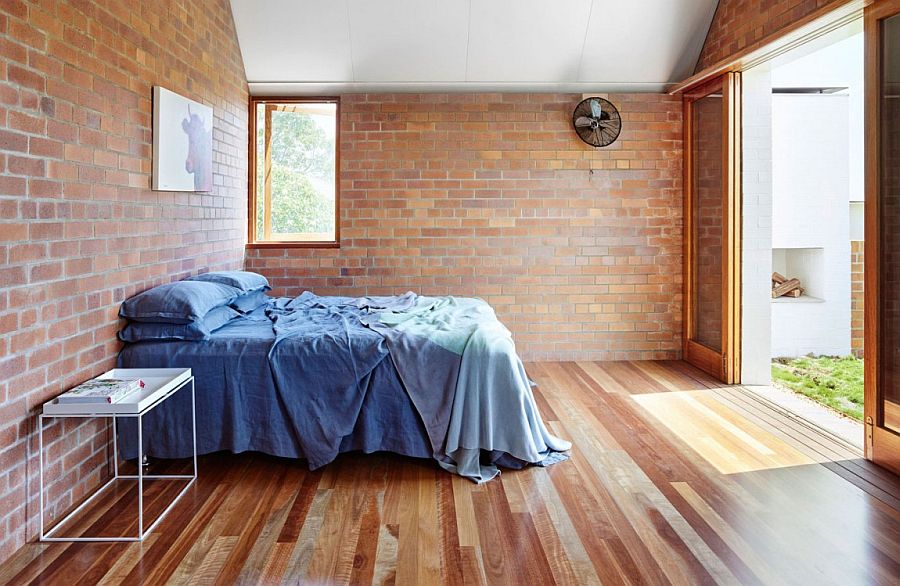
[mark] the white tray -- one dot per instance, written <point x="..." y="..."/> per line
<point x="157" y="383"/>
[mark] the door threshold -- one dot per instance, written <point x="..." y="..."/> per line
<point x="822" y="419"/>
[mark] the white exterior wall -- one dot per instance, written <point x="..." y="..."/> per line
<point x="756" y="264"/>
<point x="811" y="222"/>
<point x="837" y="65"/>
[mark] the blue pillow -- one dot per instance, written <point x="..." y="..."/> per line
<point x="243" y="280"/>
<point x="177" y="303"/>
<point x="250" y="301"/>
<point x="196" y="330"/>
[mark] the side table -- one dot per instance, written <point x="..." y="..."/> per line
<point x="159" y="385"/>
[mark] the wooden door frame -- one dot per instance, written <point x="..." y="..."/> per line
<point x="820" y="21"/>
<point x="880" y="445"/>
<point x="724" y="365"/>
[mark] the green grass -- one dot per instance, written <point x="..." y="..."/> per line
<point x="832" y="381"/>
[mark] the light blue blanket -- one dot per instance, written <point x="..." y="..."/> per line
<point x="459" y="365"/>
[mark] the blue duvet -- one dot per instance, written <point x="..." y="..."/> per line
<point x="311" y="377"/>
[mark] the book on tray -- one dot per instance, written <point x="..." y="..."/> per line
<point x="101" y="390"/>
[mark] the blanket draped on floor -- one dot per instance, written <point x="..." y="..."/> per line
<point x="456" y="360"/>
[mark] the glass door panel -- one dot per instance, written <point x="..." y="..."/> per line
<point x="707" y="149"/>
<point x="712" y="228"/>
<point x="882" y="259"/>
<point x="890" y="222"/>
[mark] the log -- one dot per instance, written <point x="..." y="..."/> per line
<point x="785" y="287"/>
<point x="778" y="278"/>
<point x="795" y="293"/>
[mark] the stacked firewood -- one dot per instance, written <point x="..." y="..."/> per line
<point x="784" y="287"/>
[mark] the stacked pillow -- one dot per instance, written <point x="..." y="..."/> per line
<point x="194" y="308"/>
<point x="252" y="286"/>
<point x="242" y="280"/>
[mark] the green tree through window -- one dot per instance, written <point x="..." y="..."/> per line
<point x="302" y="147"/>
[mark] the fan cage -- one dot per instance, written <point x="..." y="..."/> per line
<point x="608" y="112"/>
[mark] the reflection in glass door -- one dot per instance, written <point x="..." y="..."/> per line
<point x="890" y="214"/>
<point x="707" y="150"/>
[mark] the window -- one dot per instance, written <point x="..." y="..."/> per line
<point x="294" y="172"/>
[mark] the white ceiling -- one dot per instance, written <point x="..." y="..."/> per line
<point x="333" y="46"/>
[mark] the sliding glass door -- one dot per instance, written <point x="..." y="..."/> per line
<point x="882" y="257"/>
<point x="712" y="228"/>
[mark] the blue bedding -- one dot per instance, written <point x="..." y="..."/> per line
<point x="311" y="377"/>
<point x="240" y="406"/>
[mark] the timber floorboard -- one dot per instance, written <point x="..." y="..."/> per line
<point x="673" y="479"/>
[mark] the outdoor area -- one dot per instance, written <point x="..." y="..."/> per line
<point x="836" y="382"/>
<point x="295" y="186"/>
<point x="817" y="233"/>
<point x="804" y="239"/>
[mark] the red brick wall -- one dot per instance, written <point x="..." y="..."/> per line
<point x="80" y="230"/>
<point x="491" y="195"/>
<point x="741" y="23"/>
<point x="857" y="297"/>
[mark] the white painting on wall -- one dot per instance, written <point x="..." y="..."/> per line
<point x="182" y="143"/>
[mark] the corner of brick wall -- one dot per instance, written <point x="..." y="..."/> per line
<point x="80" y="229"/>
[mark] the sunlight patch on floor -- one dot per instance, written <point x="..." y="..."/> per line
<point x="722" y="437"/>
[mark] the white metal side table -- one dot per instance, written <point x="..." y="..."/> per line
<point x="159" y="385"/>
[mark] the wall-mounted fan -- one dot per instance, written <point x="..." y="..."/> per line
<point x="597" y="122"/>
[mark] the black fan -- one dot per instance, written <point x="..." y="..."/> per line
<point x="597" y="122"/>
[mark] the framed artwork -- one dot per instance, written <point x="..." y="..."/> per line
<point x="182" y="143"/>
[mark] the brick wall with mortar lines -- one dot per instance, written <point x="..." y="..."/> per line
<point x="738" y="24"/>
<point x="492" y="195"/>
<point x="857" y="297"/>
<point x="80" y="230"/>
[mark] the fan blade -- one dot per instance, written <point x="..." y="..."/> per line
<point x="582" y="121"/>
<point x="596" y="110"/>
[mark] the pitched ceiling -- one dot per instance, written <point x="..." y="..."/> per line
<point x="333" y="46"/>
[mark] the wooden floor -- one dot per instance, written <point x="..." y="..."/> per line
<point x="672" y="479"/>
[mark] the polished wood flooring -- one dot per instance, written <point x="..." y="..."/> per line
<point x="673" y="480"/>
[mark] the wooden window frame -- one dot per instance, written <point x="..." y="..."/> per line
<point x="252" y="239"/>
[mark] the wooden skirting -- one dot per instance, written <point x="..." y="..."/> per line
<point x="673" y="479"/>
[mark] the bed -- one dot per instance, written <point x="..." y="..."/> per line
<point x="312" y="377"/>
